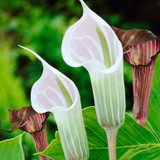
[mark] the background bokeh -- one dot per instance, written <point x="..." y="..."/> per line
<point x="40" y="26"/>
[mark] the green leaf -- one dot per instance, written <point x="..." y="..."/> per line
<point x="12" y="149"/>
<point x="105" y="48"/>
<point x="154" y="107"/>
<point x="133" y="141"/>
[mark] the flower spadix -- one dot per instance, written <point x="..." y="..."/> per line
<point x="56" y="93"/>
<point x="93" y="44"/>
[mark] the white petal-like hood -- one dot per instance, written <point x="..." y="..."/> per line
<point x="92" y="43"/>
<point x="81" y="44"/>
<point x="46" y="95"/>
<point x="55" y="92"/>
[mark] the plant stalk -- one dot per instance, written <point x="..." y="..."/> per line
<point x="111" y="137"/>
<point x="40" y="141"/>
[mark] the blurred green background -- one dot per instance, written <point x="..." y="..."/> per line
<point x="40" y="26"/>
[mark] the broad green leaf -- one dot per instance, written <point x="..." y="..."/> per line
<point x="143" y="153"/>
<point x="154" y="107"/>
<point x="11" y="149"/>
<point x="133" y="141"/>
<point x="131" y="136"/>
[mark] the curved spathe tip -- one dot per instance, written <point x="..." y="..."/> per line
<point x="53" y="91"/>
<point x="82" y="43"/>
<point x="85" y="7"/>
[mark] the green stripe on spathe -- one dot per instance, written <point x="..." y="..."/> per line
<point x="105" y="48"/>
<point x="64" y="92"/>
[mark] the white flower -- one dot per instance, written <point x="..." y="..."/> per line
<point x="56" y="93"/>
<point x="93" y="44"/>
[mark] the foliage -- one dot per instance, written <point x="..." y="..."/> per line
<point x="41" y="28"/>
<point x="133" y="141"/>
<point x="40" y="25"/>
<point x="12" y="148"/>
<point x="11" y="90"/>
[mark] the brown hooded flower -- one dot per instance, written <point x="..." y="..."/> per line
<point x="32" y="122"/>
<point x="140" y="50"/>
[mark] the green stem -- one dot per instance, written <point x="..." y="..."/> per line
<point x="111" y="137"/>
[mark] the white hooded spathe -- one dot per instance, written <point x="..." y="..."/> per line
<point x="92" y="43"/>
<point x="56" y="93"/>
